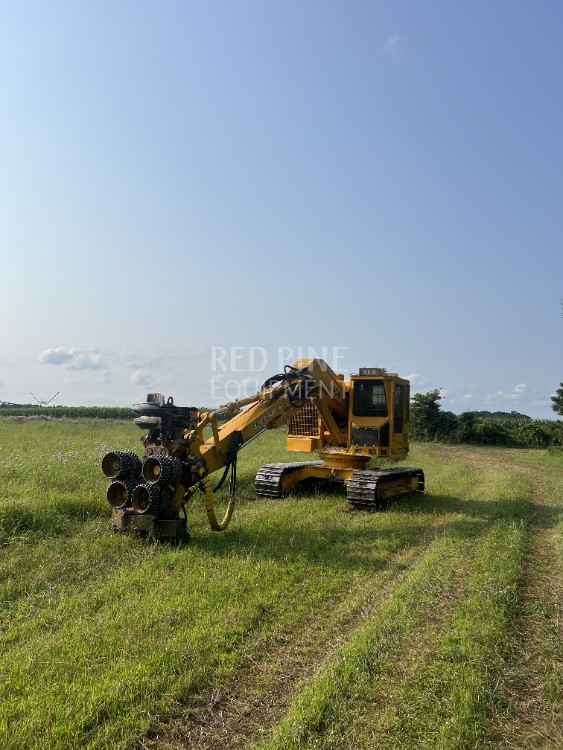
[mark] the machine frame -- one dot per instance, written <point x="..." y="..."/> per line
<point x="347" y="422"/>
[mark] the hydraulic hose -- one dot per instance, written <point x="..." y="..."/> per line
<point x="230" y="466"/>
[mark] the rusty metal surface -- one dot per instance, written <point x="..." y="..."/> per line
<point x="169" y="530"/>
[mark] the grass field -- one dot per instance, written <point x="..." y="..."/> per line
<point x="437" y="624"/>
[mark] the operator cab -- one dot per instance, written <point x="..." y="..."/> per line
<point x="378" y="412"/>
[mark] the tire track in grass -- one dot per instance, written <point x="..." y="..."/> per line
<point x="365" y="700"/>
<point x="447" y="700"/>
<point x="90" y="669"/>
<point x="229" y="715"/>
<point x="531" y="713"/>
<point x="37" y="573"/>
<point x="239" y="711"/>
<point x="316" y="712"/>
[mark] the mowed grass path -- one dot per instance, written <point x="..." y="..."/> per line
<point x="436" y="624"/>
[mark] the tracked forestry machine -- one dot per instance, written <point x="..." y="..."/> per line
<point x="345" y="422"/>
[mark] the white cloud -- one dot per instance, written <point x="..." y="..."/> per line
<point x="467" y="395"/>
<point x="141" y="377"/>
<point x="500" y="394"/>
<point x="417" y="381"/>
<point x="73" y="359"/>
<point x="57" y="356"/>
<point x="514" y="395"/>
<point x="86" y="360"/>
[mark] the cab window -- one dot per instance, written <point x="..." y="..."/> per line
<point x="369" y="398"/>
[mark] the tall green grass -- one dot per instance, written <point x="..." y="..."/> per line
<point x="100" y="634"/>
<point x="445" y="703"/>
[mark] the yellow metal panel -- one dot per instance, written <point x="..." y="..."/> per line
<point x="302" y="444"/>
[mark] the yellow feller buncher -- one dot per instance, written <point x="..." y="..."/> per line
<point x="346" y="422"/>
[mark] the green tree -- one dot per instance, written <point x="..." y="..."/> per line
<point x="491" y="432"/>
<point x="557" y="404"/>
<point x="447" y="426"/>
<point x="466" y="427"/>
<point x="425" y="414"/>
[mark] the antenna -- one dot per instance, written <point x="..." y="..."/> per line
<point x="43" y="402"/>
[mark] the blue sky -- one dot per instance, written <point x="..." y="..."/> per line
<point x="386" y="178"/>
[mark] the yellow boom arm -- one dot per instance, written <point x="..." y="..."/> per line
<point x="274" y="404"/>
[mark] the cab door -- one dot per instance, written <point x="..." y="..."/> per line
<point x="369" y="423"/>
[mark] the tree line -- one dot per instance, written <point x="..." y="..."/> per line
<point x="430" y="422"/>
<point x="68" y="412"/>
